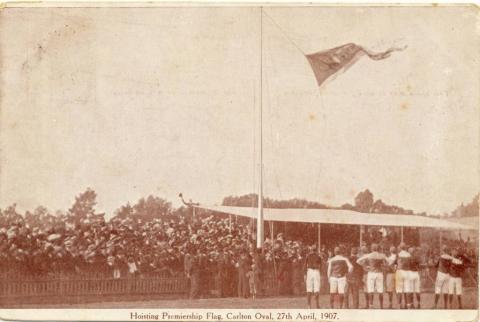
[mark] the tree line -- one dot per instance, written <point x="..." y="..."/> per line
<point x="364" y="202"/>
<point x="151" y="207"/>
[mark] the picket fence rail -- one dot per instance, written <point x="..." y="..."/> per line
<point x="15" y="287"/>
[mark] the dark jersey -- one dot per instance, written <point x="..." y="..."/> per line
<point x="457" y="266"/>
<point x="374" y="261"/>
<point x="357" y="271"/>
<point x="313" y="261"/>
<point x="375" y="264"/>
<point x="338" y="266"/>
<point x="444" y="263"/>
<point x="415" y="264"/>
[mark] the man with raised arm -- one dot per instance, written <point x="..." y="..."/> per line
<point x="457" y="268"/>
<point x="443" y="277"/>
<point x="375" y="263"/>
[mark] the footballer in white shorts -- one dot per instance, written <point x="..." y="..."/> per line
<point x="414" y="281"/>
<point x="337" y="284"/>
<point x="375" y="282"/>
<point x="404" y="259"/>
<point x="442" y="283"/>
<point x="457" y="268"/>
<point x="313" y="280"/>
<point x="455" y="285"/>
<point x="402" y="281"/>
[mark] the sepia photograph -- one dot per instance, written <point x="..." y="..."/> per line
<point x="257" y="162"/>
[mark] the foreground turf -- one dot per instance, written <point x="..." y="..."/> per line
<point x="469" y="302"/>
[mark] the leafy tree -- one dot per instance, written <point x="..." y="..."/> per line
<point x="10" y="215"/>
<point x="40" y="211"/>
<point x="84" y="205"/>
<point x="60" y="213"/>
<point x="364" y="201"/>
<point x="152" y="207"/>
<point x="251" y="200"/>
<point x="380" y="207"/>
<point x="183" y="212"/>
<point x="124" y="211"/>
<point x="469" y="210"/>
<point x="347" y="206"/>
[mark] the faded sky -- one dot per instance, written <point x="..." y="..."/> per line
<point x="132" y="102"/>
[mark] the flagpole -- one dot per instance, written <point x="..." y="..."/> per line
<point x="260" y="187"/>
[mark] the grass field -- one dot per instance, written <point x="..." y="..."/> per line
<point x="469" y="302"/>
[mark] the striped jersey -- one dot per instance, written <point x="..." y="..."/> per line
<point x="415" y="264"/>
<point x="444" y="263"/>
<point x="339" y="266"/>
<point x="404" y="259"/>
<point x="391" y="261"/>
<point x="457" y="266"/>
<point x="374" y="261"/>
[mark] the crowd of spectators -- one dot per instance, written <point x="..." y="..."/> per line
<point x="43" y="245"/>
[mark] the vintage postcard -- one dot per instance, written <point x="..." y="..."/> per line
<point x="227" y="162"/>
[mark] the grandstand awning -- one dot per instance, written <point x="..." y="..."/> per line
<point x="339" y="216"/>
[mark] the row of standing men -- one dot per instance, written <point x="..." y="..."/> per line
<point x="399" y="273"/>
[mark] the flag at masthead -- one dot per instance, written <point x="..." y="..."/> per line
<point x="332" y="61"/>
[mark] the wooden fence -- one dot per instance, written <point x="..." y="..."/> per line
<point x="59" y="287"/>
<point x="18" y="287"/>
<point x="84" y="287"/>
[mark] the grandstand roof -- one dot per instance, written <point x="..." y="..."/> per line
<point x="339" y="216"/>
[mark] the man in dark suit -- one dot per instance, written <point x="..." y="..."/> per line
<point x="192" y="271"/>
<point x="354" y="280"/>
<point x="243" y="266"/>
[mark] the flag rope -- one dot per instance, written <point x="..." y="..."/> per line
<point x="283" y="33"/>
